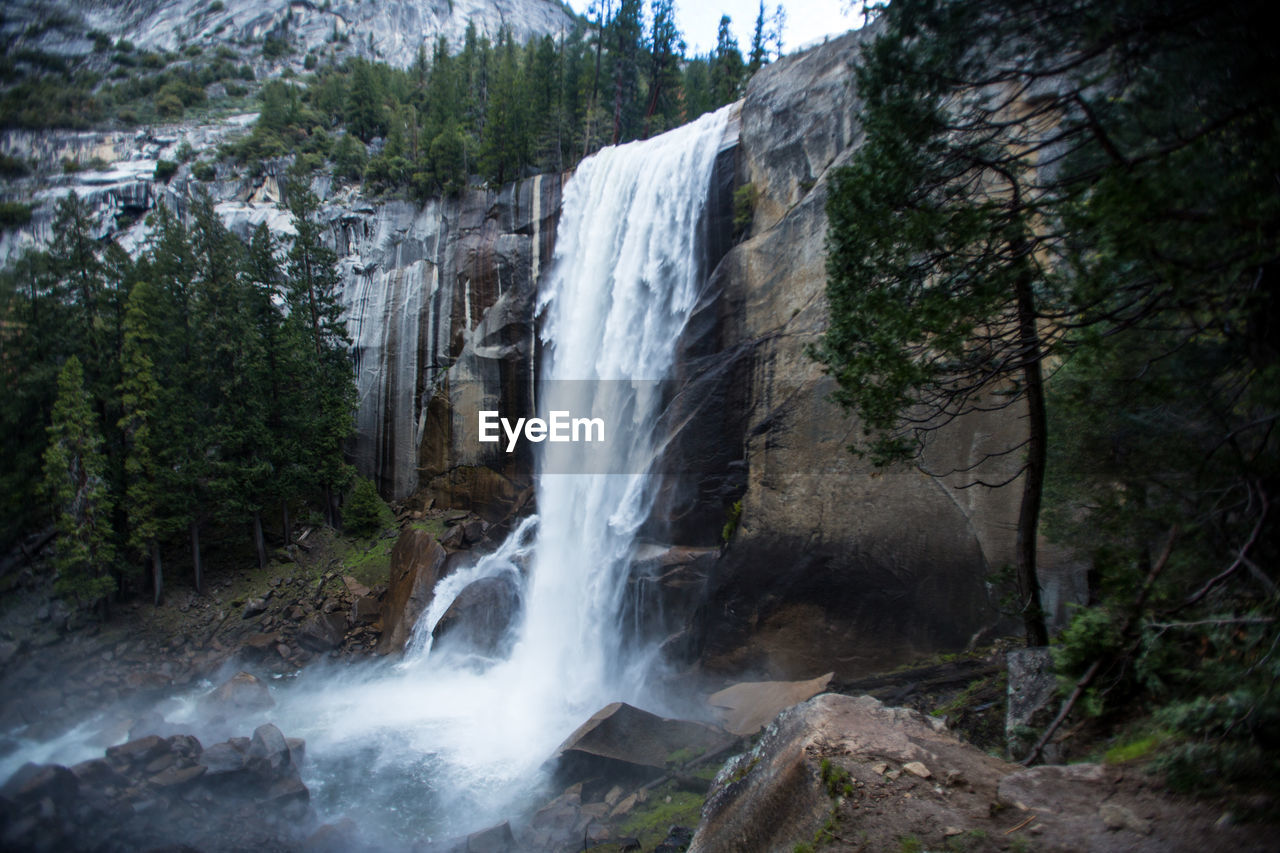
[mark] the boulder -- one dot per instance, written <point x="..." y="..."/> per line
<point x="256" y="646"/>
<point x="322" y="632"/>
<point x="241" y="693"/>
<point x="479" y="619"/>
<point x="1033" y="701"/>
<point x="748" y="706"/>
<point x="32" y="783"/>
<point x="269" y="753"/>
<point x="222" y="758"/>
<point x="140" y="752"/>
<point x="364" y="611"/>
<point x="622" y="742"/>
<point x="495" y="839"/>
<point x="416" y="561"/>
<point x="784" y="790"/>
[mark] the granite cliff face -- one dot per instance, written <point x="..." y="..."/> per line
<point x="390" y="30"/>
<point x="834" y="564"/>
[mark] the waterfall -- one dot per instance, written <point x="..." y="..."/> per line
<point x="438" y="744"/>
<point x="626" y="273"/>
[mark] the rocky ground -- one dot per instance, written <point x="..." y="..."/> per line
<point x="907" y="760"/>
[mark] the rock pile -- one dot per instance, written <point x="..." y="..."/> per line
<point x="244" y="793"/>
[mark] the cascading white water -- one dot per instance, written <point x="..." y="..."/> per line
<point x="435" y="745"/>
<point x="627" y="272"/>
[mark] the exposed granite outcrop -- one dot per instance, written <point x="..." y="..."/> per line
<point x="833" y="564"/>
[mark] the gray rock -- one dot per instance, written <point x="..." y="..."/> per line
<point x="253" y="607"/>
<point x="624" y="743"/>
<point x="222" y="758"/>
<point x="480" y="618"/>
<point x="269" y="751"/>
<point x="1032" y="701"/>
<point x="322" y="632"/>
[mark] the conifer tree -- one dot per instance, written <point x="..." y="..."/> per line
<point x="76" y="486"/>
<point x="140" y="399"/>
<point x="726" y="65"/>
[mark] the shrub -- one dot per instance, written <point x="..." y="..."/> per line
<point x="364" y="513"/>
<point x="165" y="169"/>
<point x="204" y="171"/>
<point x="14" y="214"/>
<point x="744" y="208"/>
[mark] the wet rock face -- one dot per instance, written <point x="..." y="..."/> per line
<point x="479" y="620"/>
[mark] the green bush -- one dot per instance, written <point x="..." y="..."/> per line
<point x="204" y="171"/>
<point x="744" y="208"/>
<point x="14" y="214"/>
<point x="165" y="169"/>
<point x="365" y="512"/>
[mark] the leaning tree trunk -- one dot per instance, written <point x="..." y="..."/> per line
<point x="1033" y="484"/>
<point x="285" y="522"/>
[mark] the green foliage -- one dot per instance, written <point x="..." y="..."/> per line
<point x="165" y="169"/>
<point x="744" y="208"/>
<point x="204" y="171"/>
<point x="959" y="263"/>
<point x="12" y="167"/>
<point x="14" y="214"/>
<point x="365" y="512"/>
<point x="75" y="484"/>
<point x="835" y="779"/>
<point x="732" y="517"/>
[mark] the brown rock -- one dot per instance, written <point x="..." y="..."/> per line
<point x="415" y="565"/>
<point x="242" y="692"/>
<point x="747" y="707"/>
<point x="623" y="742"/>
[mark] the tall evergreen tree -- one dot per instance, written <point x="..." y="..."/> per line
<point x="726" y="65"/>
<point x="666" y="49"/>
<point x="311" y="286"/>
<point x="140" y="399"/>
<point x="626" y="46"/>
<point x="76" y="486"/>
<point x="759" y="54"/>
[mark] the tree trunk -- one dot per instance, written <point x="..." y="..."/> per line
<point x="1033" y="484"/>
<point x="285" y="523"/>
<point x="157" y="574"/>
<point x="195" y="554"/>
<point x="257" y="539"/>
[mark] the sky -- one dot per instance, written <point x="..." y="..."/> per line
<point x="807" y="20"/>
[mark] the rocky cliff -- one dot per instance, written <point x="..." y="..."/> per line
<point x="833" y="564"/>
<point x="439" y="297"/>
<point x="390" y="30"/>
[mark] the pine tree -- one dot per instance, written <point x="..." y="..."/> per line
<point x="666" y="49"/>
<point x="759" y="55"/>
<point x="726" y="65"/>
<point x="75" y="484"/>
<point x="626" y="42"/>
<point x="311" y="286"/>
<point x="140" y="398"/>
